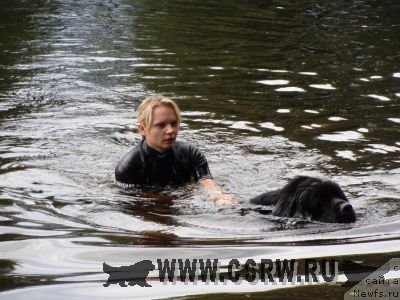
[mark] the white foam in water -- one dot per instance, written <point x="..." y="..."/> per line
<point x="364" y="79"/>
<point x="397" y="94"/>
<point x="337" y="119"/>
<point x="342" y="136"/>
<point x="378" y="97"/>
<point x="272" y="126"/>
<point x="376" y="77"/>
<point x="327" y="86"/>
<point x="291" y="89"/>
<point x="216" y="68"/>
<point x="347" y="154"/>
<point x="396" y="120"/>
<point x="311" y="111"/>
<point x="283" y="111"/>
<point x="397" y="75"/>
<point x="274" y="82"/>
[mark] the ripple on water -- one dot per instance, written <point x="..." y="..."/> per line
<point x="272" y="126"/>
<point x="311" y="111"/>
<point x="274" y="82"/>
<point x="326" y="86"/>
<point x="195" y="113"/>
<point x="311" y="126"/>
<point x="395" y="120"/>
<point x="243" y="125"/>
<point x="381" y="148"/>
<point x="214" y="121"/>
<point x="291" y="89"/>
<point x="346" y="154"/>
<point x="376" y="77"/>
<point x="378" y="97"/>
<point x="59" y="222"/>
<point x="273" y="71"/>
<point x="337" y="119"/>
<point x="308" y="73"/>
<point x="216" y="68"/>
<point x="283" y="111"/>
<point x="343" y="136"/>
<point x="363" y="130"/>
<point x="125" y="222"/>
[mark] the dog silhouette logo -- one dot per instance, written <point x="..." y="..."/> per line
<point x="133" y="275"/>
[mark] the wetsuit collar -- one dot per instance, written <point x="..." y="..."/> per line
<point x="152" y="152"/>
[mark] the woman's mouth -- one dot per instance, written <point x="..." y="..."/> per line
<point x="170" y="140"/>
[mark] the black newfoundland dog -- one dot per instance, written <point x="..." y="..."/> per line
<point x="309" y="198"/>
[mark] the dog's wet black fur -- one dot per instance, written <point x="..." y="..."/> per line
<point x="309" y="198"/>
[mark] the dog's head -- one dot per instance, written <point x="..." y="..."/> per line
<point x="325" y="201"/>
<point x="313" y="198"/>
<point x="144" y="266"/>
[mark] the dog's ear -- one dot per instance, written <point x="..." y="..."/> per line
<point x="306" y="203"/>
<point x="291" y="204"/>
<point x="312" y="199"/>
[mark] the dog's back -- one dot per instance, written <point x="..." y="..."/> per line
<point x="268" y="198"/>
<point x="272" y="197"/>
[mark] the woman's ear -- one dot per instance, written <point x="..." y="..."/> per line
<point x="141" y="129"/>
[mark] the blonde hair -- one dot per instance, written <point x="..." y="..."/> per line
<point x="146" y="108"/>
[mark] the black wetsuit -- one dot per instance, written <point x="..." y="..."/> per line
<point x="145" y="166"/>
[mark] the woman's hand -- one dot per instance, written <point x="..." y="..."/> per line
<point x="219" y="198"/>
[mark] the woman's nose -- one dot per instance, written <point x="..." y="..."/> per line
<point x="169" y="129"/>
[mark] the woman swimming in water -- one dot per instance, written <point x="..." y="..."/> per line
<point x="159" y="159"/>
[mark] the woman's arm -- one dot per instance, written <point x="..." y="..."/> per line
<point x="219" y="198"/>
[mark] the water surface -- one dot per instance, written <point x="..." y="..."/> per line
<point x="268" y="90"/>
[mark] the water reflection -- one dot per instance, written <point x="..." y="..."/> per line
<point x="320" y="25"/>
<point x="268" y="89"/>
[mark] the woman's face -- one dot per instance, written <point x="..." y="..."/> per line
<point x="163" y="130"/>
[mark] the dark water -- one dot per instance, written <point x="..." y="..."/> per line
<point x="268" y="90"/>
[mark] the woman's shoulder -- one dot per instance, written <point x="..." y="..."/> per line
<point x="187" y="150"/>
<point x="132" y="156"/>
